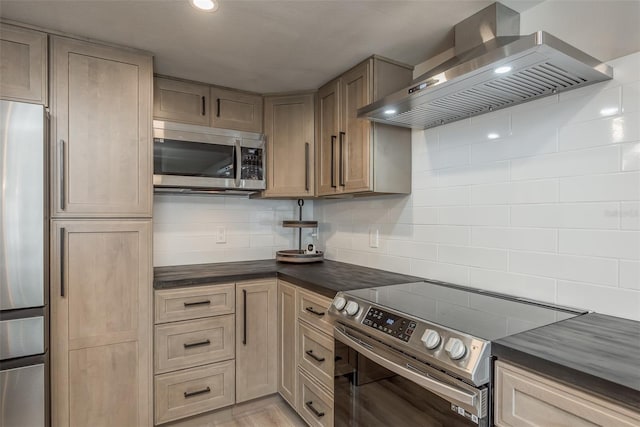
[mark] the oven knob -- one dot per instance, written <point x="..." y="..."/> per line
<point x="352" y="308"/>
<point x="431" y="339"/>
<point x="455" y="348"/>
<point x="339" y="303"/>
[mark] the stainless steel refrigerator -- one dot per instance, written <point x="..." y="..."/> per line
<point x="23" y="265"/>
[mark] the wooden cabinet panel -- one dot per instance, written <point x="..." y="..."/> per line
<point x="328" y="113"/>
<point x="289" y="128"/>
<point x="101" y="125"/>
<point x="315" y="354"/>
<point x="179" y="101"/>
<point x="256" y="339"/>
<point x="193" y="391"/>
<point x="355" y="138"/>
<point x="315" y="404"/>
<point x="312" y="308"/>
<point x="23" y="64"/>
<point x="527" y="399"/>
<point x="194" y="342"/>
<point x="287" y="350"/>
<point x="236" y="110"/>
<point x="172" y="305"/>
<point x="100" y="323"/>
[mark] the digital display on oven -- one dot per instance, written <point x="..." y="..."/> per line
<point x="396" y="326"/>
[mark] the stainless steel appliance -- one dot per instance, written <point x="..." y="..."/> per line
<point x="494" y="68"/>
<point x="189" y="158"/>
<point x="420" y="353"/>
<point x="23" y="265"/>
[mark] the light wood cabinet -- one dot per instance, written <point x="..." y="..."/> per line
<point x="523" y="398"/>
<point x="236" y="110"/>
<point x="287" y="349"/>
<point x="357" y="156"/>
<point x="289" y="129"/>
<point x="172" y="305"/>
<point x="101" y="151"/>
<point x="23" y="64"/>
<point x="100" y="323"/>
<point x="316" y="353"/>
<point x="313" y="309"/>
<point x="180" y="101"/>
<point x="256" y="339"/>
<point x="314" y="403"/>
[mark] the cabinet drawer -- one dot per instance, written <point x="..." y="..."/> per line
<point x="315" y="405"/>
<point x="195" y="342"/>
<point x="526" y="399"/>
<point x="193" y="391"/>
<point x="313" y="309"/>
<point x="193" y="303"/>
<point x="315" y="354"/>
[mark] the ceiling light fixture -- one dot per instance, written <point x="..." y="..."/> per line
<point x="503" y="69"/>
<point x="389" y="112"/>
<point x="205" y="5"/>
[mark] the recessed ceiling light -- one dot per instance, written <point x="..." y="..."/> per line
<point x="206" y="5"/>
<point x="503" y="69"/>
<point x="389" y="112"/>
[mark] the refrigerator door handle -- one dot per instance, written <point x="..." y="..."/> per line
<point x="63" y="168"/>
<point x="62" y="260"/>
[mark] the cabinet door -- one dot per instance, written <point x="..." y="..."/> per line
<point x="101" y="125"/>
<point x="287" y="333"/>
<point x="328" y="112"/>
<point x="236" y="110"/>
<point x="100" y="323"/>
<point x="256" y="339"/>
<point x="23" y="64"/>
<point x="355" y="137"/>
<point x="178" y="101"/>
<point x="289" y="128"/>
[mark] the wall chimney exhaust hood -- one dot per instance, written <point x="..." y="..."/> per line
<point x="494" y="68"/>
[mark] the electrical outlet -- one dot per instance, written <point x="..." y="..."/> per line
<point x="221" y="235"/>
<point x="374" y="238"/>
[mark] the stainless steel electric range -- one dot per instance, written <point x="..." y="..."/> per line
<point x="419" y="354"/>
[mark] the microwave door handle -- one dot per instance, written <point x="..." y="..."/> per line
<point x="237" y="157"/>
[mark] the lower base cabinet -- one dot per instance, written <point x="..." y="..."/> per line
<point x="315" y="404"/>
<point x="526" y="399"/>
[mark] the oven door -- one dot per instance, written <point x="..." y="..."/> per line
<point x="376" y="385"/>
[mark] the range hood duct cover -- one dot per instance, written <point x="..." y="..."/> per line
<point x="468" y="85"/>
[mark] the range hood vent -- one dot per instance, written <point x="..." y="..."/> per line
<point x="503" y="71"/>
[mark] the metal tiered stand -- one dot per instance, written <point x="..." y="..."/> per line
<point x="299" y="256"/>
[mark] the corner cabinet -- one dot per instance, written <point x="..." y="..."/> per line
<point x="101" y="153"/>
<point x="356" y="156"/>
<point x="23" y="64"/>
<point x="289" y="129"/>
<point x="524" y="398"/>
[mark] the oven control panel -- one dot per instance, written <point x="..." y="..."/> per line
<point x="391" y="324"/>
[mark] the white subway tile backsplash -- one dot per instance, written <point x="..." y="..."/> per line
<point x="446" y="157"/>
<point x="610" y="130"/>
<point x="477" y="174"/>
<point x="631" y="97"/>
<point x="608" y="187"/>
<point x="411" y="249"/>
<point x="495" y="259"/>
<point x="601" y="243"/>
<point x="592" y="102"/>
<point x="521" y="285"/>
<point x="468" y="132"/>
<point x="474" y="215"/>
<point x="630" y="215"/>
<point x="598" y="160"/>
<point x="526" y="239"/>
<point x="441" y="196"/>
<point x="446" y="234"/>
<point x="541" y="191"/>
<point x="630" y="156"/>
<point x="630" y="274"/>
<point x="567" y="215"/>
<point x="586" y="269"/>
<point x="542" y="140"/>
<point x="440" y="271"/>
<point x="615" y="302"/>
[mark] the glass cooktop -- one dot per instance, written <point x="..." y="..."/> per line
<point x="481" y="314"/>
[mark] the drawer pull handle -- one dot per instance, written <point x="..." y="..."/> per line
<point x="196" y="344"/>
<point x="188" y="394"/>
<point x="316" y="358"/>
<point x="317" y="313"/>
<point x="191" y="304"/>
<point x="317" y="413"/>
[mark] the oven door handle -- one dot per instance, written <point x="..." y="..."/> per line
<point x="449" y="392"/>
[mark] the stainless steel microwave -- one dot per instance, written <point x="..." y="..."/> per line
<point x="203" y="158"/>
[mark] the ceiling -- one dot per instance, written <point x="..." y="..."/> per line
<point x="262" y="46"/>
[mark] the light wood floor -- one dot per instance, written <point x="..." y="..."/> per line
<point x="271" y="411"/>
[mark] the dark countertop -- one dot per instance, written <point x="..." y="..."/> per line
<point x="597" y="353"/>
<point x="326" y="278"/>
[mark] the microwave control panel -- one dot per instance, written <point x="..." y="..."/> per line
<point x="391" y="324"/>
<point x="252" y="167"/>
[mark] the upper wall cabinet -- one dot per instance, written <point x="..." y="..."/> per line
<point x="236" y="110"/>
<point x="23" y="64"/>
<point x="101" y="124"/>
<point x="356" y="156"/>
<point x="179" y="101"/>
<point x="289" y="128"/>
